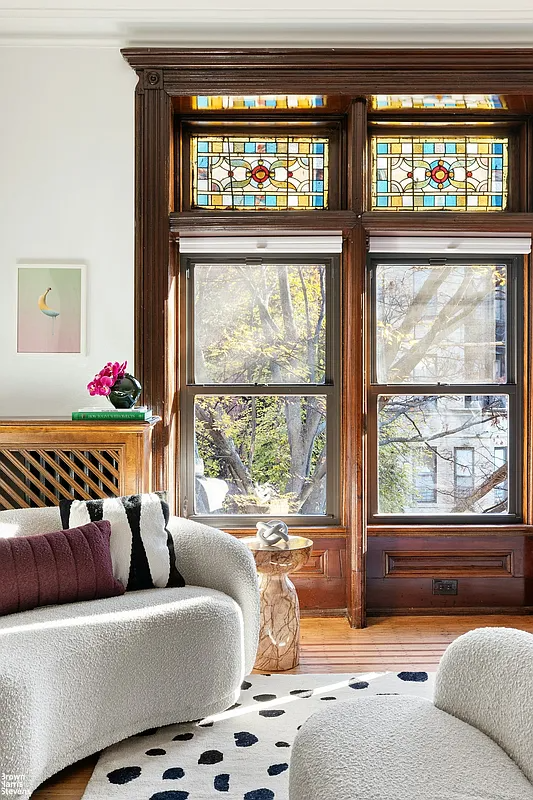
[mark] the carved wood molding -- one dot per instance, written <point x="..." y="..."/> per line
<point x="165" y="73"/>
<point x="442" y="564"/>
<point x="335" y="70"/>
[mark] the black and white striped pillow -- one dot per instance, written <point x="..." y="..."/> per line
<point x="142" y="548"/>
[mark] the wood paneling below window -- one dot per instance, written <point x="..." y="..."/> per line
<point x="492" y="572"/>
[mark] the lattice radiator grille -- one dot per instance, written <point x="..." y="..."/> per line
<point x="42" y="477"/>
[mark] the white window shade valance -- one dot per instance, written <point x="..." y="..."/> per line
<point x="329" y="242"/>
<point x="452" y="245"/>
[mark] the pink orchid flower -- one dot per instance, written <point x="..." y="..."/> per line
<point x="103" y="382"/>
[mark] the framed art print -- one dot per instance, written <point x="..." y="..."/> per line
<point x="51" y="308"/>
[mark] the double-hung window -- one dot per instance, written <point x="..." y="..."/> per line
<point x="260" y="406"/>
<point x="445" y="397"/>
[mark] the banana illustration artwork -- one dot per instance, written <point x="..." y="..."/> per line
<point x="45" y="308"/>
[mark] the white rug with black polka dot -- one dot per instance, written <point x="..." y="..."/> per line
<point x="241" y="754"/>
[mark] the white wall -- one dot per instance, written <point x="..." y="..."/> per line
<point x="66" y="193"/>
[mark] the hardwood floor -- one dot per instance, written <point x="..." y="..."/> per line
<point x="330" y="645"/>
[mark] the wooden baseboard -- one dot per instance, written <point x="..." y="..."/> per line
<point x="323" y="612"/>
<point x="449" y="612"/>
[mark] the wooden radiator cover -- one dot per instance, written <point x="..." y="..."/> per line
<point x="45" y="460"/>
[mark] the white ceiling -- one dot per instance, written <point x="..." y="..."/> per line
<point x="264" y="23"/>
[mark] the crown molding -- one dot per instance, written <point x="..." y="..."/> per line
<point x="378" y="27"/>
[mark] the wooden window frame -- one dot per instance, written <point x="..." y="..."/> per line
<point x="515" y="132"/>
<point x="330" y="389"/>
<point x="165" y="74"/>
<point x="320" y="128"/>
<point x="513" y="389"/>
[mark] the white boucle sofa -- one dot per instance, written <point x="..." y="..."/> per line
<point x="79" y="677"/>
<point x="474" y="742"/>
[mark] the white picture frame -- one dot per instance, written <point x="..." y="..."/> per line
<point x="51" y="309"/>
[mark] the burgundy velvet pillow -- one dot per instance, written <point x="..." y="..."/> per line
<point x="53" y="568"/>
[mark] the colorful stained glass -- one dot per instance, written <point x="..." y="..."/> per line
<point x="260" y="172"/>
<point x="257" y="101"/>
<point x="445" y="173"/>
<point x="387" y="102"/>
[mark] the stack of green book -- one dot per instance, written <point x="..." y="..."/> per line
<point x="136" y="414"/>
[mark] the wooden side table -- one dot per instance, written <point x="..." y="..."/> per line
<point x="279" y="637"/>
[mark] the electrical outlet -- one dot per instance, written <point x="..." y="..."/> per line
<point x="444" y="587"/>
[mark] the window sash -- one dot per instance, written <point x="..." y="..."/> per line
<point x="513" y="389"/>
<point x="330" y="388"/>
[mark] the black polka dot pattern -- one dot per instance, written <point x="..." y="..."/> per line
<point x="359" y="685"/>
<point x="188" y="758"/>
<point x="245" y="739"/>
<point x="123" y="775"/>
<point x="417" y="677"/>
<point x="173" y="774"/>
<point x="183" y="737"/>
<point x="303" y="693"/>
<point x="211" y="757"/>
<point x="221" y="782"/>
<point x="277" y="769"/>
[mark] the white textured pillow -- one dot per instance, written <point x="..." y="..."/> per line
<point x="142" y="548"/>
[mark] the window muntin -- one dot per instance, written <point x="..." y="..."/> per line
<point x="441" y="323"/>
<point x="258" y="172"/>
<point x="256" y="102"/>
<point x="258" y="448"/>
<point x="439" y="173"/>
<point x="394" y="102"/>
<point x="461" y="441"/>
<point x="262" y="323"/>
<point x="260" y="455"/>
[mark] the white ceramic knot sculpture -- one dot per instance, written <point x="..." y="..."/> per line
<point x="273" y="532"/>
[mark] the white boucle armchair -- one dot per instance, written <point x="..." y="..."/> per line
<point x="79" y="677"/>
<point x="474" y="742"/>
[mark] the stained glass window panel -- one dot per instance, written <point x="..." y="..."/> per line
<point x="256" y="101"/>
<point x="386" y="102"/>
<point x="445" y="173"/>
<point x="260" y="173"/>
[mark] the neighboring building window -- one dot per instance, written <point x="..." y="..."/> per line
<point x="439" y="441"/>
<point x="260" y="410"/>
<point x="463" y="465"/>
<point x="257" y="172"/>
<point x="439" y="173"/>
<point x="425" y="476"/>
<point x="500" y="469"/>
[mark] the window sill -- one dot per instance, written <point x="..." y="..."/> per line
<point x="512" y="529"/>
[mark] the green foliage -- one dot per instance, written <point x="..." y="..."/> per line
<point x="395" y="484"/>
